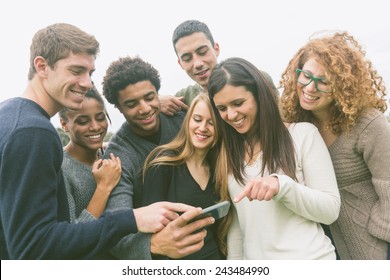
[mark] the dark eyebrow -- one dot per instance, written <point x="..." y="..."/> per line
<point x="185" y="55"/>
<point x="82" y="117"/>
<point x="196" y="50"/>
<point x="201" y="48"/>
<point x="135" y="100"/>
<point x="127" y="101"/>
<point x="77" y="67"/>
<point x="238" y="99"/>
<point x="149" y="93"/>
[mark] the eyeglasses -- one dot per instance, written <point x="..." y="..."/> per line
<point x="305" y="78"/>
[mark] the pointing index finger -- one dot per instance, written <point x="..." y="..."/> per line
<point x="244" y="192"/>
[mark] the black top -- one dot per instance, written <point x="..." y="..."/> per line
<point x="176" y="184"/>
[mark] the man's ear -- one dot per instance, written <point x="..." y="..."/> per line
<point x="178" y="61"/>
<point x="217" y="49"/>
<point x="41" y="66"/>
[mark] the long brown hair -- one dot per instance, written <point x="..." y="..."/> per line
<point x="275" y="140"/>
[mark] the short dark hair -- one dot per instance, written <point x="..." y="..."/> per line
<point x="189" y="27"/>
<point x="128" y="71"/>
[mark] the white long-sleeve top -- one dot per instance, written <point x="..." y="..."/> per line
<point x="287" y="226"/>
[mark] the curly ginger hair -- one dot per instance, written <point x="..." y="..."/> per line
<point x="354" y="84"/>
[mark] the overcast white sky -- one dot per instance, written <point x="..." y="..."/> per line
<point x="268" y="33"/>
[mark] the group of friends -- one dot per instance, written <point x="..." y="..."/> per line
<point x="306" y="169"/>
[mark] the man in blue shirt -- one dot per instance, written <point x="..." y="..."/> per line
<point x="34" y="214"/>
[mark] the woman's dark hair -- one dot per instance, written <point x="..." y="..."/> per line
<point x="92" y="93"/>
<point x="275" y="140"/>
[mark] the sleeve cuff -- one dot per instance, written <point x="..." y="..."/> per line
<point x="284" y="183"/>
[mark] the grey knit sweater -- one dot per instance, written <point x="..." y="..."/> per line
<point x="80" y="187"/>
<point x="361" y="160"/>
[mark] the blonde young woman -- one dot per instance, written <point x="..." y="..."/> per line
<point x="182" y="170"/>
<point x="330" y="83"/>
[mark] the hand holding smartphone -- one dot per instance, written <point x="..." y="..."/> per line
<point x="216" y="211"/>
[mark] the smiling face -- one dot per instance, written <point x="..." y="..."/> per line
<point x="197" y="56"/>
<point x="309" y="97"/>
<point x="140" y="105"/>
<point x="237" y="107"/>
<point x="201" y="127"/>
<point x="87" y="126"/>
<point x="68" y="82"/>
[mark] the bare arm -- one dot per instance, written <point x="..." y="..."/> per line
<point x="107" y="173"/>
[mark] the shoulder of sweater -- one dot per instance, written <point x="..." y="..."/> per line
<point x="70" y="164"/>
<point x="190" y="89"/>
<point x="121" y="135"/>
<point x="119" y="141"/>
<point x="368" y="126"/>
<point x="368" y="118"/>
<point x="193" y="88"/>
<point x="30" y="119"/>
<point x="369" y="115"/>
<point x="42" y="131"/>
<point x="301" y="127"/>
<point x="177" y="118"/>
<point x="303" y="133"/>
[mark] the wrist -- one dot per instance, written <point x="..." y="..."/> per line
<point x="103" y="190"/>
<point x="154" y="249"/>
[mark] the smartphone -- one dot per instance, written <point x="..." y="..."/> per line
<point x="216" y="211"/>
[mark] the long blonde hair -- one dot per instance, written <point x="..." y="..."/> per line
<point x="180" y="148"/>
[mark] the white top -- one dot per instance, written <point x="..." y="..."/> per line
<point x="287" y="227"/>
